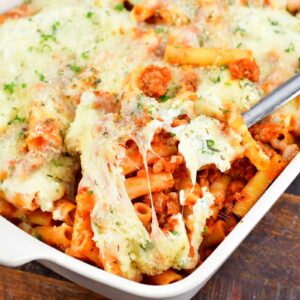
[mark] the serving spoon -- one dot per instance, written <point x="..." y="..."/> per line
<point x="277" y="98"/>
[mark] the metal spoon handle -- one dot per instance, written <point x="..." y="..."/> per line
<point x="273" y="101"/>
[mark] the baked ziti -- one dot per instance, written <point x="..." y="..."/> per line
<point x="121" y="130"/>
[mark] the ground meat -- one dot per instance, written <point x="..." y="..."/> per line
<point x="190" y="81"/>
<point x="165" y="205"/>
<point x="244" y="68"/>
<point x="106" y="101"/>
<point x="154" y="81"/>
<point x="293" y="6"/>
<point x="242" y="169"/>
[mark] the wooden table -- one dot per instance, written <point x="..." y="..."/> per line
<point x="265" y="266"/>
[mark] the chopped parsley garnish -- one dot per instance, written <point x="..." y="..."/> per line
<point x="150" y="109"/>
<point x="159" y="30"/>
<point x="164" y="98"/>
<point x="90" y="192"/>
<point x="174" y="232"/>
<point x="299" y="63"/>
<point x="17" y="119"/>
<point x="240" y="30"/>
<point x="201" y="41"/>
<point x="210" y="145"/>
<point x="119" y="7"/>
<point x="56" y="163"/>
<point x="55" y="26"/>
<point x="205" y="230"/>
<point x="139" y="102"/>
<point x="215" y="80"/>
<point x="9" y="88"/>
<point x="24" y="85"/>
<point x="147" y="246"/>
<point x="45" y="37"/>
<point x="89" y="14"/>
<point x="21" y="135"/>
<point x="75" y="68"/>
<point x="57" y="179"/>
<point x="239" y="45"/>
<point x="139" y="106"/>
<point x="290" y="48"/>
<point x="41" y="76"/>
<point x="85" y="55"/>
<point x="223" y="67"/>
<point x="97" y="81"/>
<point x="273" y="22"/>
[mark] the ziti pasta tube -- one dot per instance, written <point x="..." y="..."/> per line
<point x="204" y="56"/>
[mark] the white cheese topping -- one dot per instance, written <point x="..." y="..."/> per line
<point x="202" y="142"/>
<point x="118" y="232"/>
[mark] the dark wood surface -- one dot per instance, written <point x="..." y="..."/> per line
<point x="265" y="266"/>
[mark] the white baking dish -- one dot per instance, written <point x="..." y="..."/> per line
<point x="18" y="248"/>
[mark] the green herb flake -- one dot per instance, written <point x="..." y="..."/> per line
<point x="55" y="26"/>
<point x="174" y="232"/>
<point x="85" y="55"/>
<point x="57" y="179"/>
<point x="98" y="81"/>
<point x="159" y="30"/>
<point x="239" y="30"/>
<point x="299" y="63"/>
<point x="24" y="85"/>
<point x="215" y="79"/>
<point x="9" y="88"/>
<point x="21" y="135"/>
<point x="139" y="106"/>
<point x="290" y="48"/>
<point x="17" y="120"/>
<point x="47" y="37"/>
<point x="273" y="22"/>
<point x="89" y="15"/>
<point x="148" y="246"/>
<point x="164" y="98"/>
<point x="90" y="192"/>
<point x="205" y="230"/>
<point x="41" y="76"/>
<point x="201" y="41"/>
<point x="223" y="67"/>
<point x="56" y="163"/>
<point x="75" y="68"/>
<point x="210" y="145"/>
<point x="239" y="45"/>
<point x="119" y="7"/>
<point x="139" y="102"/>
